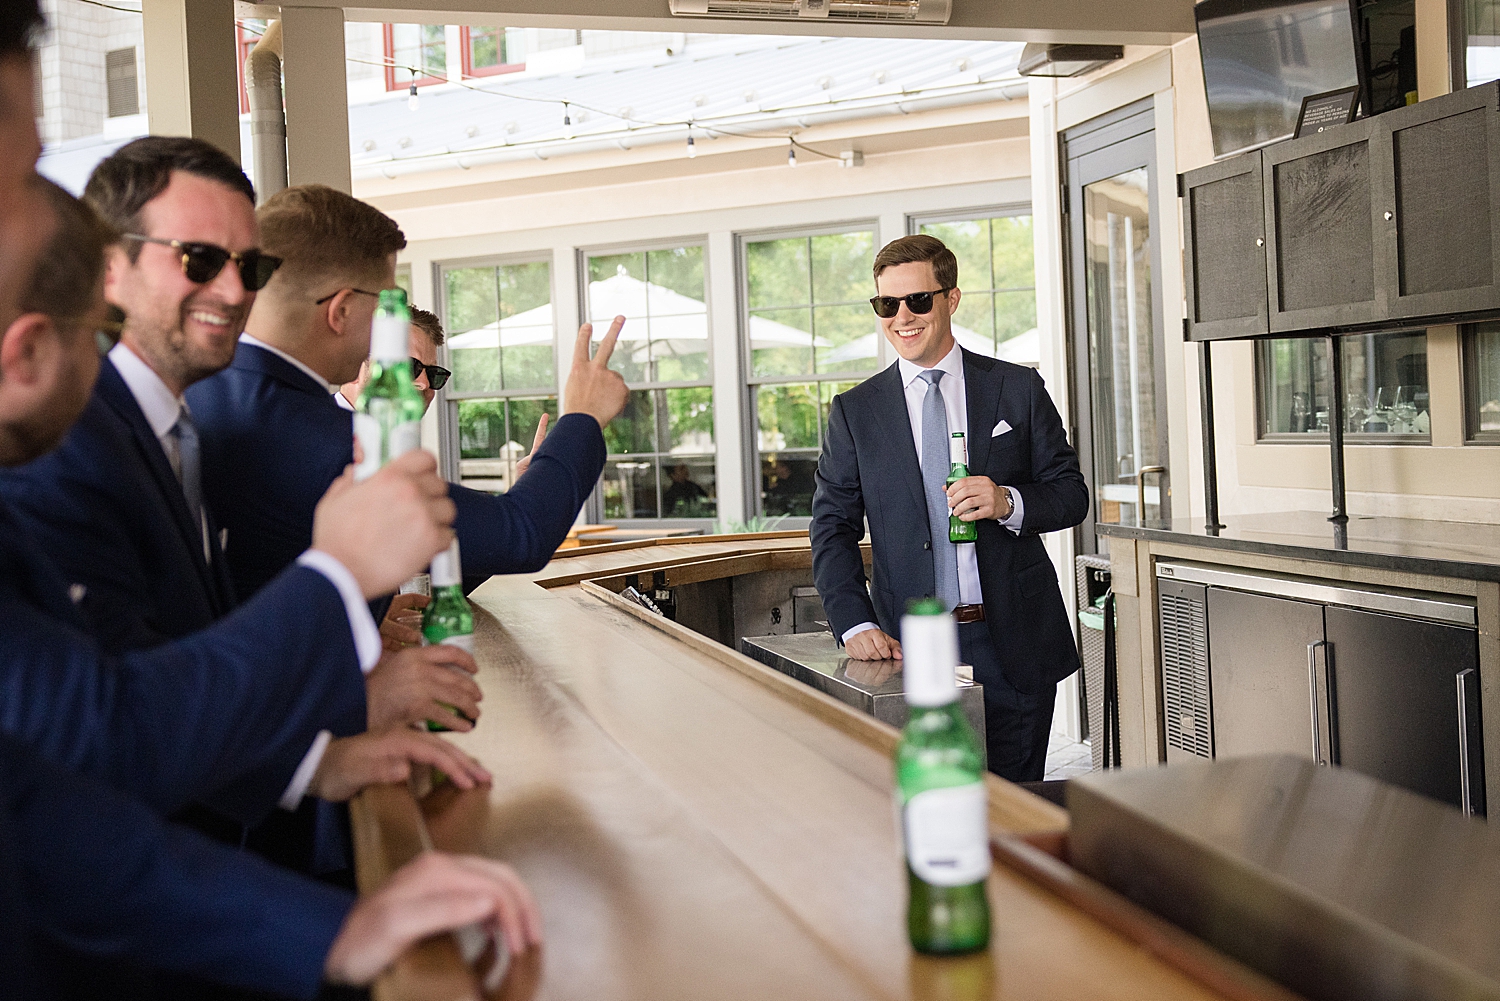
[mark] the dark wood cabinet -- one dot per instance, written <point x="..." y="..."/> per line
<point x="1388" y="221"/>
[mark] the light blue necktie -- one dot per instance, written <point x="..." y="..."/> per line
<point x="189" y="467"/>
<point x="935" y="467"/>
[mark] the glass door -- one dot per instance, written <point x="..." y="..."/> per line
<point x="1115" y="308"/>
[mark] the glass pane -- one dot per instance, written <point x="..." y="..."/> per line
<point x="974" y="322"/>
<point x="788" y="416"/>
<point x="628" y="487"/>
<point x="473" y="329"/>
<point x="689" y="488"/>
<point x="826" y="392"/>
<point x="523" y="417"/>
<point x="1293" y="378"/>
<point x="781" y="342"/>
<point x="1117" y="253"/>
<point x="434" y="50"/>
<point x="529" y="361"/>
<point x="1014" y="253"/>
<point x="846" y="337"/>
<point x="777" y="273"/>
<point x="486" y="47"/>
<point x="689" y="416"/>
<point x="634" y="431"/>
<point x="841" y="265"/>
<point x="676" y="280"/>
<point x="1482" y="358"/>
<point x="525" y="287"/>
<point x="1016" y="337"/>
<point x="679" y="348"/>
<point x="970" y="242"/>
<point x="481" y="428"/>
<point x="617" y="287"/>
<point x="1385" y="384"/>
<point x="787" y="483"/>
<point x="403" y="280"/>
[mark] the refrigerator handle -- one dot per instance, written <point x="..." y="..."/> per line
<point x="1466" y="792"/>
<point x="1312" y="692"/>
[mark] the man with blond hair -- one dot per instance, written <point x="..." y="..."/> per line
<point x="274" y="437"/>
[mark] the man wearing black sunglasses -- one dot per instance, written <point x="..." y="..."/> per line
<point x="886" y="457"/>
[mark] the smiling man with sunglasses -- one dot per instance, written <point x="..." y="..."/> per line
<point x="886" y="457"/>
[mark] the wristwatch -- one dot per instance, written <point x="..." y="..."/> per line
<point x="1010" y="504"/>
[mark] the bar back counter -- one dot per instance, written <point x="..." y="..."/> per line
<point x="696" y="824"/>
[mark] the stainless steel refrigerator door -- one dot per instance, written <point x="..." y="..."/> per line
<point x="1266" y="662"/>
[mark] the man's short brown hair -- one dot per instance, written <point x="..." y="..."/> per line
<point x="324" y="235"/>
<point x="430" y="324"/>
<point x="917" y="249"/>
<point x="66" y="281"/>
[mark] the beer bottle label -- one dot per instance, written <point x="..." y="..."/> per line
<point x="367" y="433"/>
<point x="947" y="835"/>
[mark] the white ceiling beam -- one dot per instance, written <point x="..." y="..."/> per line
<point x="1139" y="22"/>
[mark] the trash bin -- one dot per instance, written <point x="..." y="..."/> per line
<point x="1102" y="721"/>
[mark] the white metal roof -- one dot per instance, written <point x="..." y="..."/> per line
<point x="735" y="85"/>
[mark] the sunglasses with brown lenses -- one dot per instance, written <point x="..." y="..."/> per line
<point x="202" y="262"/>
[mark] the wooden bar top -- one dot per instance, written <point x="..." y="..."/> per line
<point x="696" y="825"/>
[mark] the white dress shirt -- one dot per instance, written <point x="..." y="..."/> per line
<point x="955" y="401"/>
<point x="161" y="409"/>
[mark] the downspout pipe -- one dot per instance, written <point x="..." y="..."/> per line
<point x="267" y="112"/>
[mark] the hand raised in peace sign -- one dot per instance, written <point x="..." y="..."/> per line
<point x="592" y="387"/>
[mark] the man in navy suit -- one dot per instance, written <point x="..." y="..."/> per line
<point x="274" y="437"/>
<point x="78" y="863"/>
<point x="886" y="457"/>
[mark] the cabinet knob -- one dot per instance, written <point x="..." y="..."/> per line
<point x="1389" y="216"/>
<point x="1260" y="241"/>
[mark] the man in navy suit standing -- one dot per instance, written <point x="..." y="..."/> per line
<point x="886" y="458"/>
<point x="274" y="437"/>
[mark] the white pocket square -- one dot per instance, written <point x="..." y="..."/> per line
<point x="1000" y="429"/>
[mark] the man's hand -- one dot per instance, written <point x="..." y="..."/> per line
<point x="423" y="683"/>
<point x="388" y="527"/>
<point x="434" y="893"/>
<point x="593" y="388"/>
<point x="872" y="644"/>
<point x="536" y="443"/>
<point x="352" y="763"/>
<point x="402" y="625"/>
<point x="976" y="497"/>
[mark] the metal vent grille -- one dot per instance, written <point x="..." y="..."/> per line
<point x="1184" y="674"/>
<point x="120" y="77"/>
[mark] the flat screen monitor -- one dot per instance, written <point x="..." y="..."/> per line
<point x="1262" y="57"/>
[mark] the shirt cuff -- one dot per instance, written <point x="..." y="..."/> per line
<point x="1017" y="512"/>
<point x="303" y="776"/>
<point x="367" y="645"/>
<point x="861" y="628"/>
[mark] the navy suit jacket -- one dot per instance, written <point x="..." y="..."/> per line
<point x="869" y="469"/>
<point x="223" y="716"/>
<point x="87" y="868"/>
<point x="107" y="508"/>
<point x="274" y="439"/>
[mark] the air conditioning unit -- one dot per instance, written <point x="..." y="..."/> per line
<point x="898" y="11"/>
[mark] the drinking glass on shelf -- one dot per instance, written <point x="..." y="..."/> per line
<point x="1356" y="411"/>
<point x="1404" y="413"/>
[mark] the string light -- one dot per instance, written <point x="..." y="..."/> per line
<point x="791" y="154"/>
<point x="567" y="122"/>
<point x="412" y="100"/>
<point x="692" y="150"/>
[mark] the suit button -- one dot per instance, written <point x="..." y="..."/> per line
<point x="927" y="545"/>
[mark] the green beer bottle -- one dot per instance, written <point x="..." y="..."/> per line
<point x="940" y="792"/>
<point x="958" y="529"/>
<point x="388" y="417"/>
<point x="448" y="617"/>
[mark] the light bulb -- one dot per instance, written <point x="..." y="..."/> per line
<point x="791" y="156"/>
<point x="412" y="100"/>
<point x="567" y="123"/>
<point x="692" y="150"/>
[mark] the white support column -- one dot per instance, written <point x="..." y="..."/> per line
<point x="191" y="86"/>
<point x="317" y="97"/>
<point x="731" y="437"/>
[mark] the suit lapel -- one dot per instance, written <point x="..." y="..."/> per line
<point x="982" y="383"/>
<point x="117" y="396"/>
<point x="895" y="427"/>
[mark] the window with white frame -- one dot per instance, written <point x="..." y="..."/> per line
<point x="811" y="334"/>
<point x="415" y="53"/>
<point x="661" y="449"/>
<point x="996" y="271"/>
<point x="500" y="347"/>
